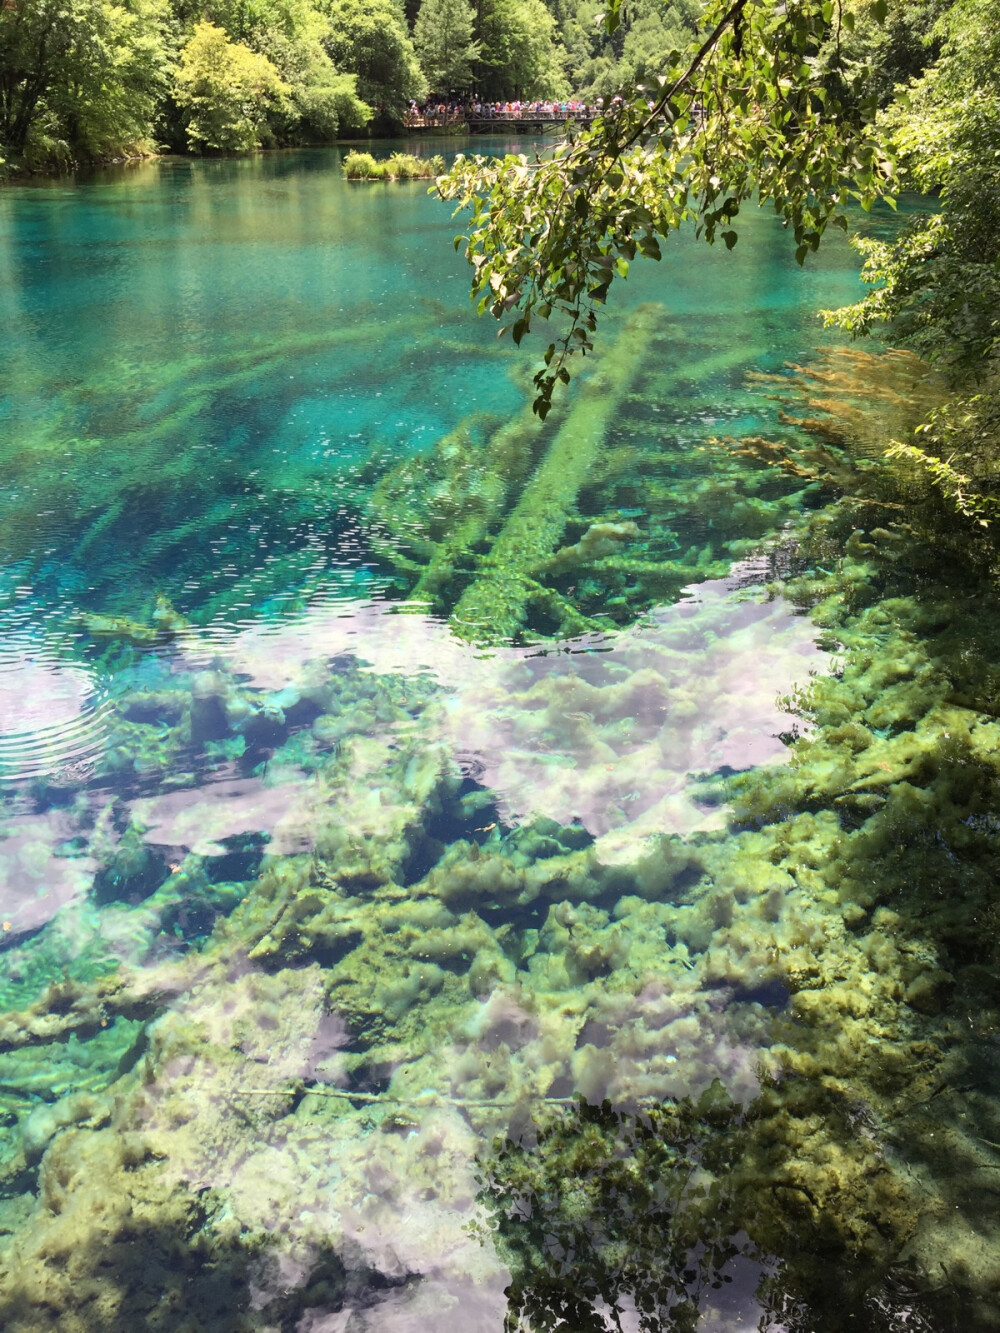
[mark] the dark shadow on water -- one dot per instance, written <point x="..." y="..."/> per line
<point x="185" y="1276"/>
<point x="663" y="1220"/>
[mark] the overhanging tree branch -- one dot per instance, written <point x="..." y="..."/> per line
<point x="549" y="238"/>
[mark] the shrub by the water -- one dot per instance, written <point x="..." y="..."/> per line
<point x="400" y="166"/>
<point x="362" y="166"/>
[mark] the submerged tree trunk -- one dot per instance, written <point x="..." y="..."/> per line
<point x="493" y="607"/>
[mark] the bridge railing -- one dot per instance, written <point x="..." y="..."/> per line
<point x="548" y="117"/>
<point x="418" y="120"/>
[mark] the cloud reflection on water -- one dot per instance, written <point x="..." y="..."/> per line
<point x="610" y="732"/>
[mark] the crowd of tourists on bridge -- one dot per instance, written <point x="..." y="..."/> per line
<point x="520" y="110"/>
<point x="440" y="112"/>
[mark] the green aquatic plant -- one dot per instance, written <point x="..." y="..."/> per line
<point x="628" y="530"/>
<point x="362" y="166"/>
<point x="429" y="513"/>
<point x="614" y="569"/>
<point x="903" y="453"/>
<point x="132" y="417"/>
<point x="839" y="410"/>
<point x="526" y="963"/>
<point x="166" y="625"/>
<point x="399" y="166"/>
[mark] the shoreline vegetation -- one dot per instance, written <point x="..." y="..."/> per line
<point x="398" y="167"/>
<point x="87" y="82"/>
<point x="403" y="169"/>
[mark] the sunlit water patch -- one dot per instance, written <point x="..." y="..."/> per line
<point x="53" y="712"/>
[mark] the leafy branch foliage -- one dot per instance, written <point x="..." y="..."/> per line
<point x="747" y="113"/>
<point x="936" y="286"/>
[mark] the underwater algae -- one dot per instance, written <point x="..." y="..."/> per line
<point x="493" y="604"/>
<point x="527" y="963"/>
<point x="439" y="947"/>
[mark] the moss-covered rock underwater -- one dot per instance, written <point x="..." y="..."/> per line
<point x="262" y="1074"/>
<point x="156" y="448"/>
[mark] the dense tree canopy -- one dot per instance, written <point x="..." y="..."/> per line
<point x="371" y="38"/>
<point x="602" y="63"/>
<point x="80" y="76"/>
<point x="520" y="51"/>
<point x="91" y="79"/>
<point x="227" y="89"/>
<point x="85" y="80"/>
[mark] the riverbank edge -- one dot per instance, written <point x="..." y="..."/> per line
<point x="14" y="173"/>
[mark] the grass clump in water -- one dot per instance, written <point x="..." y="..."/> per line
<point x="400" y="166"/>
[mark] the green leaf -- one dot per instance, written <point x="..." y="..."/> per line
<point x="730" y="238"/>
<point x="612" y="20"/>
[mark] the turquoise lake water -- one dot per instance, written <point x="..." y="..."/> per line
<point x="461" y="873"/>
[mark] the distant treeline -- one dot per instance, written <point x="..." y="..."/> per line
<point x="89" y="80"/>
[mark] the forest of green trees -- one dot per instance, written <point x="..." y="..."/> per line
<point x="88" y="80"/>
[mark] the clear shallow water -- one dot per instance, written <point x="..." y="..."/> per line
<point x="367" y="758"/>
